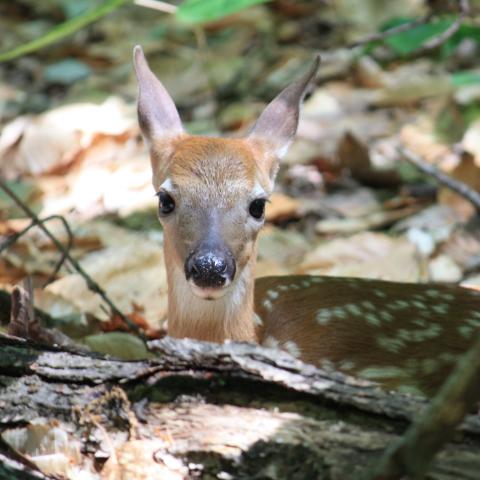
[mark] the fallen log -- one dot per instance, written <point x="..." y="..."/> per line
<point x="200" y="410"/>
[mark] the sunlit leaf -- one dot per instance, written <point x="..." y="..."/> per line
<point x="466" y="77"/>
<point x="198" y="11"/>
<point x="118" y="344"/>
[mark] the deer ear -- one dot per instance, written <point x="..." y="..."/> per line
<point x="157" y="115"/>
<point x="278" y="122"/>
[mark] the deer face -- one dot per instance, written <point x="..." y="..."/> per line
<point x="211" y="205"/>
<point x="212" y="191"/>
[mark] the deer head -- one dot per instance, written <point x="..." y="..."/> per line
<point x="212" y="194"/>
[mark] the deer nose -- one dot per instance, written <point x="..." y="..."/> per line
<point x="210" y="269"/>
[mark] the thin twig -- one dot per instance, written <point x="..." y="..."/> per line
<point x="412" y="454"/>
<point x="91" y="284"/>
<point x="431" y="44"/>
<point x="381" y="36"/>
<point x="9" y="241"/>
<point x="13" y="238"/>
<point x="437" y="41"/>
<point x="455" y="185"/>
<point x="66" y="252"/>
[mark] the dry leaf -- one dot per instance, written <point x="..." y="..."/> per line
<point x="444" y="269"/>
<point x="281" y="207"/>
<point x="368" y="255"/>
<point x="358" y="224"/>
<point x="131" y="271"/>
<point x="36" y="145"/>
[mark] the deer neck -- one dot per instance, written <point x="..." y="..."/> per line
<point x="230" y="317"/>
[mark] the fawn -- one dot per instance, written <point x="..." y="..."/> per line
<point x="212" y="194"/>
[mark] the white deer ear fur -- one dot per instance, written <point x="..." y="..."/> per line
<point x="278" y="123"/>
<point x="157" y="115"/>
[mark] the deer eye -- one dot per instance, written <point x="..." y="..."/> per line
<point x="257" y="208"/>
<point x="166" y="203"/>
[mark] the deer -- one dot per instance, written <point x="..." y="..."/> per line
<point x="212" y="193"/>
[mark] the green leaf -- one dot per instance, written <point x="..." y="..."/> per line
<point x="405" y="43"/>
<point x="198" y="11"/>
<point x="63" y="30"/>
<point x="465" y="77"/>
<point x="66" y="72"/>
<point x="118" y="344"/>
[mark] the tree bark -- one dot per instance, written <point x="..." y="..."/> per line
<point x="200" y="410"/>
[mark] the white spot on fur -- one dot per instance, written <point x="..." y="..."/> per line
<point x="392" y="345"/>
<point x="420" y="305"/>
<point x="273" y="294"/>
<point x="441" y="308"/>
<point x="268" y="305"/>
<point x="368" y="305"/>
<point x="473" y="322"/>
<point x="398" y="305"/>
<point x="372" y="319"/>
<point x="270" y="342"/>
<point x="381" y="373"/>
<point x="387" y="316"/>
<point x="346" y="365"/>
<point x="354" y="309"/>
<point x="292" y="348"/>
<point x="324" y="316"/>
<point x="465" y="331"/>
<point x="258" y="320"/>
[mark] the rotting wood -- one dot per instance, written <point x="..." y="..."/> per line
<point x="234" y="408"/>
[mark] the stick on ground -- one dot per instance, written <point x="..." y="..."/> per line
<point x="92" y="285"/>
<point x="455" y="185"/>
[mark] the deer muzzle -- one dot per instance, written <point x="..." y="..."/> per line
<point x="210" y="269"/>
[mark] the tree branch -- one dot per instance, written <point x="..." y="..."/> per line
<point x="455" y="185"/>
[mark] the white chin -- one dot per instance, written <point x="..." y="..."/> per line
<point x="208" y="293"/>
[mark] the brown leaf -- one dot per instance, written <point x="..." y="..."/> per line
<point x="368" y="255"/>
<point x="281" y="207"/>
<point x="354" y="154"/>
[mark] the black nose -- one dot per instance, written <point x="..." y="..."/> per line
<point x="210" y="268"/>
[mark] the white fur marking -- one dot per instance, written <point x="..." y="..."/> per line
<point x="270" y="342"/>
<point x="292" y="348"/>
<point x="167" y="185"/>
